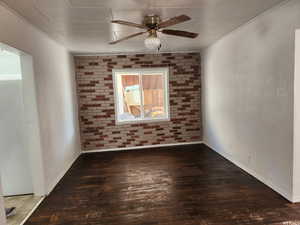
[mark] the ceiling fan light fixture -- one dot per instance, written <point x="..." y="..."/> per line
<point x="152" y="42"/>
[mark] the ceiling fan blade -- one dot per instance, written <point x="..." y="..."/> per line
<point x="128" y="37"/>
<point x="126" y="23"/>
<point x="173" y="21"/>
<point x="180" y="33"/>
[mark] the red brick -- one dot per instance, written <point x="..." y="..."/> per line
<point x="97" y="124"/>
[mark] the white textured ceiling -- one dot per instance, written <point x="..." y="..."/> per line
<point x="84" y="25"/>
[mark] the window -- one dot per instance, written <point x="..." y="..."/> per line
<point x="141" y="95"/>
<point x="10" y="69"/>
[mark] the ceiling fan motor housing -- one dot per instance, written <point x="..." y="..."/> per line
<point x="152" y="21"/>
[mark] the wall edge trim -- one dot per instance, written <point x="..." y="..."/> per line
<point x="78" y="54"/>
<point x="33" y="210"/>
<point x="296" y="199"/>
<point x="62" y="174"/>
<point x="281" y="191"/>
<point x="23" y="19"/>
<point x="141" y="147"/>
<point x="251" y="20"/>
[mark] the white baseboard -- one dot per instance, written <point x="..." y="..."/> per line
<point x="296" y="199"/>
<point x="141" y="147"/>
<point x="283" y="192"/>
<point x="68" y="166"/>
<point x="32" y="211"/>
<point x="267" y="182"/>
<point x="60" y="176"/>
<point x="56" y="181"/>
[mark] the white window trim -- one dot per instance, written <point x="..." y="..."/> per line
<point x="165" y="70"/>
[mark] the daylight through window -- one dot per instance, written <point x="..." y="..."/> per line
<point x="141" y="95"/>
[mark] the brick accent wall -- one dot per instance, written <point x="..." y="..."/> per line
<point x="96" y="101"/>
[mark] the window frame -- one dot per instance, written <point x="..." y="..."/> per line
<point x="139" y="72"/>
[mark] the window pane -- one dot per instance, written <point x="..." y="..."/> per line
<point x="154" y="99"/>
<point x="129" y="97"/>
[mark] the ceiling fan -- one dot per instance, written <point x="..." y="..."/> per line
<point x="153" y="24"/>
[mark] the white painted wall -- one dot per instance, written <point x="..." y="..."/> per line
<point x="14" y="159"/>
<point x="248" y="96"/>
<point x="54" y="78"/>
<point x="296" y="172"/>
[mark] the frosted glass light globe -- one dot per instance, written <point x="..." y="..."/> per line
<point x="152" y="43"/>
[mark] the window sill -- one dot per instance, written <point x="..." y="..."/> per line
<point x="143" y="121"/>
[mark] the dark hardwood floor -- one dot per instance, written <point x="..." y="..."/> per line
<point x="186" y="185"/>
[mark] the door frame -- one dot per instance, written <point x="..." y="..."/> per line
<point x="32" y="143"/>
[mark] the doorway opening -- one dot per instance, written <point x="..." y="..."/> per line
<point x="21" y="165"/>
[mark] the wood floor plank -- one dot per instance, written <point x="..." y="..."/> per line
<point x="185" y="185"/>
